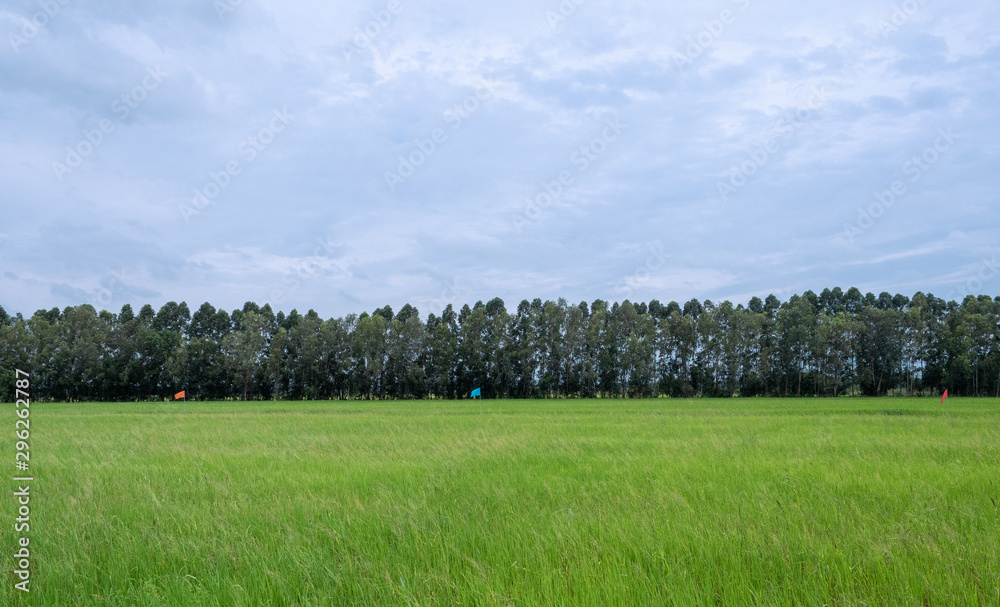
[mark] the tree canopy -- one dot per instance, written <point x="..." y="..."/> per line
<point x="829" y="344"/>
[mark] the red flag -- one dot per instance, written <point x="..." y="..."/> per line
<point x="179" y="395"/>
<point x="944" y="396"/>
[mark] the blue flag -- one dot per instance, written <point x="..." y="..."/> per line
<point x="477" y="392"/>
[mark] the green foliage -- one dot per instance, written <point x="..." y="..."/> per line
<point x="831" y="344"/>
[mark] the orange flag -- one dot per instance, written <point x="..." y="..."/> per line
<point x="179" y="395"/>
<point x="944" y="396"/>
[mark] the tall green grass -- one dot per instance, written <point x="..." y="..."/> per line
<point x="599" y="502"/>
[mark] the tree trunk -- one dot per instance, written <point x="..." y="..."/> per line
<point x="823" y="377"/>
<point x="976" y="382"/>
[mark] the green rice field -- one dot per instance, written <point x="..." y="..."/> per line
<point x="881" y="502"/>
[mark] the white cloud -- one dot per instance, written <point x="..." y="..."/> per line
<point x="450" y="222"/>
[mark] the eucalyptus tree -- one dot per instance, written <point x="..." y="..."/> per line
<point x="524" y="358"/>
<point x="405" y="346"/>
<point x="472" y="349"/>
<point x="549" y="344"/>
<point x="499" y="371"/>
<point x="245" y="351"/>
<point x="796" y="324"/>
<point x="440" y="359"/>
<point x="369" y="352"/>
<point x="574" y="348"/>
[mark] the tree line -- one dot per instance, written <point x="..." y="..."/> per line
<point x="830" y="344"/>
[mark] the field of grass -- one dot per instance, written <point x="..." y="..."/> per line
<point x="596" y="502"/>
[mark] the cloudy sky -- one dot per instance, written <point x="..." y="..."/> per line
<point x="346" y="155"/>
